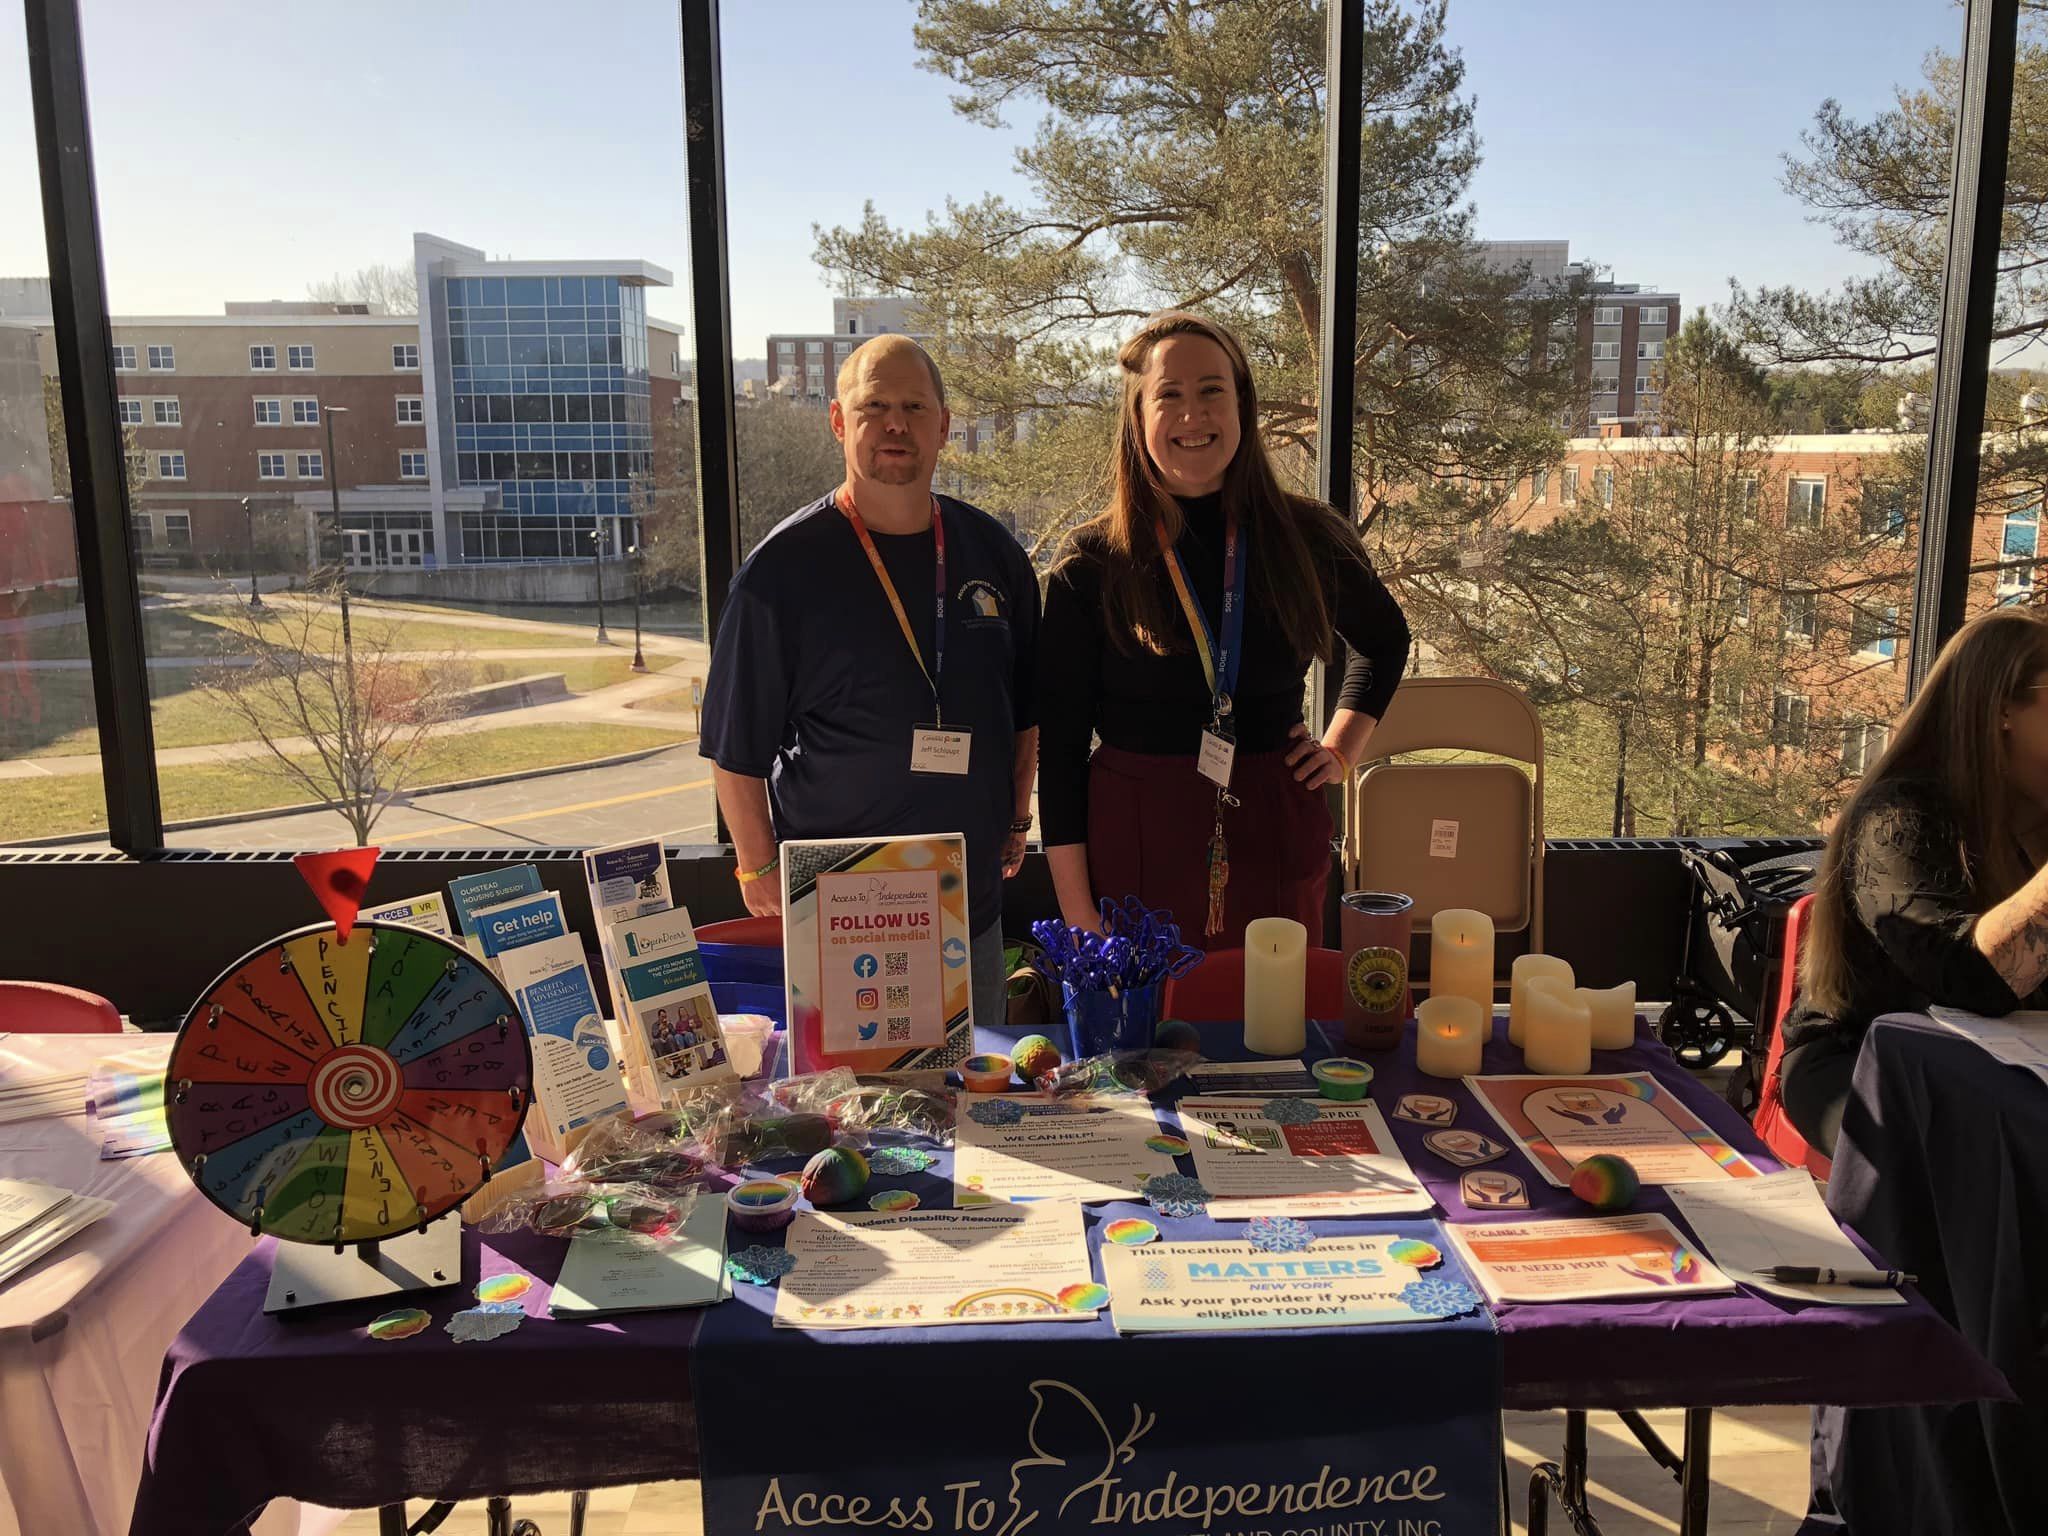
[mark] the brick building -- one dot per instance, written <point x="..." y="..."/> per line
<point x="804" y="366"/>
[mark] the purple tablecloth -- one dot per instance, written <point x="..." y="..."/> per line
<point x="1944" y="1160"/>
<point x="253" y="1408"/>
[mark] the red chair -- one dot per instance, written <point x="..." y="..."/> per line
<point x="753" y="932"/>
<point x="1213" y="992"/>
<point x="1771" y="1122"/>
<point x="45" y="1008"/>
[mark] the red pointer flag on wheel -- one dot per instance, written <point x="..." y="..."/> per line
<point x="340" y="881"/>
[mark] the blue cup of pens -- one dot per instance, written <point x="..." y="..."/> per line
<point x="1099" y="1022"/>
<point x="1112" y="981"/>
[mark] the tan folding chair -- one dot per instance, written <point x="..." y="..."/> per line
<point x="1453" y="834"/>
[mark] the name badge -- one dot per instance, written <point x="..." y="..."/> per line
<point x="1214" y="760"/>
<point x="935" y="751"/>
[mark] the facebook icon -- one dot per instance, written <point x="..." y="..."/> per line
<point x="864" y="966"/>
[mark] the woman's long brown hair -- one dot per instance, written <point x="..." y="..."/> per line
<point x="1953" y="736"/>
<point x="1297" y="540"/>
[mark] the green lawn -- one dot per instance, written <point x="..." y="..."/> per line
<point x="50" y="807"/>
<point x="53" y="716"/>
<point x="199" y="631"/>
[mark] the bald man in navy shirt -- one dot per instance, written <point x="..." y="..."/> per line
<point x="829" y="686"/>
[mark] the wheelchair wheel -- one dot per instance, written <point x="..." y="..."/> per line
<point x="1697" y="1030"/>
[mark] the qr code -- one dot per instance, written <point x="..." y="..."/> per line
<point x="899" y="1029"/>
<point x="899" y="962"/>
<point x="899" y="997"/>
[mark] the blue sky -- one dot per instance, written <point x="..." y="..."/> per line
<point x="245" y="151"/>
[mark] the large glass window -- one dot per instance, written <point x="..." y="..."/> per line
<point x="1698" y="630"/>
<point x="557" y="241"/>
<point x="50" y="784"/>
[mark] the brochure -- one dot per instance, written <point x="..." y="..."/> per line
<point x="470" y="894"/>
<point x="667" y="1022"/>
<point x="997" y="1264"/>
<point x="575" y="1074"/>
<point x="528" y="920"/>
<point x="1584" y="1260"/>
<point x="627" y="880"/>
<point x="1341" y="1282"/>
<point x="1559" y="1122"/>
<point x="1298" y="1157"/>
<point x="607" y="1272"/>
<point x="876" y="952"/>
<point x="429" y="912"/>
<point x="1024" y="1147"/>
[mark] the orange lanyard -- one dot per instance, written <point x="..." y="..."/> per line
<point x="843" y="499"/>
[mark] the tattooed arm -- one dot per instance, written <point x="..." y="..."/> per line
<point x="2013" y="935"/>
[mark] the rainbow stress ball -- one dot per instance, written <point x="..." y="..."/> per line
<point x="1606" y="1182"/>
<point x="835" y="1176"/>
<point x="1035" y="1056"/>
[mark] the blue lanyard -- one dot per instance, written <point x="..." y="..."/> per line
<point x="1220" y="662"/>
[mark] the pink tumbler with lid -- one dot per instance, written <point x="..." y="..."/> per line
<point x="1377" y="930"/>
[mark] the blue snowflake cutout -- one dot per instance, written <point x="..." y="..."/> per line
<point x="1175" y="1194"/>
<point x="1289" y="1111"/>
<point x="900" y="1160"/>
<point x="760" y="1264"/>
<point x="1278" y="1234"/>
<point x="1434" y="1297"/>
<point x="996" y="1112"/>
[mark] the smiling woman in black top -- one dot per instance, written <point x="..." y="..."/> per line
<point x="1933" y="889"/>
<point x="1169" y="691"/>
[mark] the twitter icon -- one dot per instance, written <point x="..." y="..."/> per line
<point x="867" y="1031"/>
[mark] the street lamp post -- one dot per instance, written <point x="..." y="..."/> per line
<point x="597" y="560"/>
<point x="249" y="534"/>
<point x="639" y="661"/>
<point x="348" y="648"/>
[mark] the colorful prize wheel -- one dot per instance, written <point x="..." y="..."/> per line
<point x="342" y="1093"/>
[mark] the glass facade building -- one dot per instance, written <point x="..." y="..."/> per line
<point x="548" y="389"/>
<point x="536" y="399"/>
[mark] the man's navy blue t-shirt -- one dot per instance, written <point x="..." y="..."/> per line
<point x="813" y="688"/>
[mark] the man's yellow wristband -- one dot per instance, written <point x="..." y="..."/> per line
<point x="749" y="876"/>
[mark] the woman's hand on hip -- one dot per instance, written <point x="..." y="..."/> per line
<point x="1314" y="764"/>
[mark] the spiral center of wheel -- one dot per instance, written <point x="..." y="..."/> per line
<point x="355" y="1086"/>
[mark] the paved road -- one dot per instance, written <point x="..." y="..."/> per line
<point x="667" y="795"/>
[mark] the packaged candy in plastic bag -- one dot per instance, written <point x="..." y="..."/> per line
<point x="885" y="1107"/>
<point x="564" y="1207"/>
<point x="653" y="1150"/>
<point x="1145" y="1072"/>
<point x="786" y="1119"/>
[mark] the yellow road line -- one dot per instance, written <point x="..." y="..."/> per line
<point x="556" y="810"/>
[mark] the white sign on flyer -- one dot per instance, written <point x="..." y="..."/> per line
<point x="1443" y="839"/>
<point x="878" y="959"/>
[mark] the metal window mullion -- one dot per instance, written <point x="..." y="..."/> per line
<point x="92" y="427"/>
<point x="1337" y="406"/>
<point x="1962" y="359"/>
<point x="718" y="509"/>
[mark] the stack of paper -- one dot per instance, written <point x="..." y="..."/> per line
<point x="1778" y="1220"/>
<point x="35" y="1218"/>
<point x="125" y="1096"/>
<point x="2019" y="1039"/>
<point x="31" y="1096"/>
<point x="609" y="1272"/>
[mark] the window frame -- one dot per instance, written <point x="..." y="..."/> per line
<point x="167" y="350"/>
<point x="170" y="542"/>
<point x="1819" y="512"/>
<point x="412" y="453"/>
<point x="107" y="570"/>
<point x="166" y="456"/>
<point x="317" y="456"/>
<point x="157" y="403"/>
<point x="263" y="458"/>
<point x="418" y="403"/>
<point x="312" y="363"/>
<point x="399" y="349"/>
<point x="123" y="406"/>
<point x="269" y="349"/>
<point x="301" y="418"/>
<point x="276" y="404"/>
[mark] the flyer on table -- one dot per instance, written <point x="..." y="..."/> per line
<point x="627" y="880"/>
<point x="1340" y="1282"/>
<point x="1298" y="1157"/>
<point x="1561" y="1121"/>
<point x="526" y="920"/>
<point x="996" y="1264"/>
<point x="575" y="1077"/>
<point x="1024" y="1147"/>
<point x="1585" y="1260"/>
